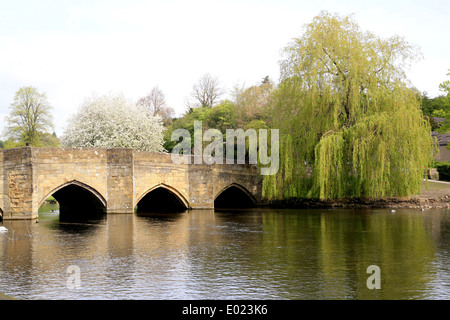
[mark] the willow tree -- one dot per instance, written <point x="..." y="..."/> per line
<point x="350" y="122"/>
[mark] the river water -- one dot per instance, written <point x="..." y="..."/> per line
<point x="251" y="254"/>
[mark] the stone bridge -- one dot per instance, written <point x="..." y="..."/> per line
<point x="88" y="181"/>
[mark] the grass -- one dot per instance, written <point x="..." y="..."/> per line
<point x="434" y="186"/>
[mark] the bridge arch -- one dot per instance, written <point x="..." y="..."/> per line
<point x="77" y="201"/>
<point x="234" y="196"/>
<point x="161" y="197"/>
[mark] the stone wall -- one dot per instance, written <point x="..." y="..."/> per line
<point x="206" y="182"/>
<point x="201" y="186"/>
<point x="119" y="178"/>
<point x="17" y="185"/>
<point x="245" y="176"/>
<point x="152" y="170"/>
<point x="119" y="182"/>
<point x="54" y="168"/>
<point x="444" y="154"/>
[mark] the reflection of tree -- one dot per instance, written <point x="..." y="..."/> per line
<point x="399" y="244"/>
<point x="320" y="255"/>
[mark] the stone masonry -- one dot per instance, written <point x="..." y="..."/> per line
<point x="119" y="178"/>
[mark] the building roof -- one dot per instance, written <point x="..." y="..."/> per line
<point x="442" y="138"/>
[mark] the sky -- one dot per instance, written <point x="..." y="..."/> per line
<point x="70" y="49"/>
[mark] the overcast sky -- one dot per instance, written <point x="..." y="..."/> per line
<point x="70" y="49"/>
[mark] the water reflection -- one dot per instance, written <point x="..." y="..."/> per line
<point x="249" y="254"/>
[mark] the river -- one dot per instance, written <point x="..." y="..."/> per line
<point x="251" y="254"/>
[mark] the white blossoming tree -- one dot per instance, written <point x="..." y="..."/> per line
<point x="112" y="121"/>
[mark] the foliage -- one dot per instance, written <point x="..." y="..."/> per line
<point x="50" y="140"/>
<point x="29" y="119"/>
<point x="247" y="111"/>
<point x="439" y="107"/>
<point x="444" y="170"/>
<point x="43" y="140"/>
<point x="252" y="103"/>
<point x="221" y="117"/>
<point x="9" y="144"/>
<point x="435" y="107"/>
<point x="185" y="122"/>
<point x="111" y="121"/>
<point x="350" y="124"/>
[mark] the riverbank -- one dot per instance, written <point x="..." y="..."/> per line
<point x="435" y="194"/>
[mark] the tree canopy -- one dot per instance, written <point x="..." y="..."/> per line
<point x="30" y="119"/>
<point x="350" y="123"/>
<point x="248" y="110"/>
<point x="112" y="121"/>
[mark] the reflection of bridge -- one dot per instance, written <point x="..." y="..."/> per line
<point x="117" y="181"/>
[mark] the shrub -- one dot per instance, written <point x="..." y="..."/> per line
<point x="444" y="170"/>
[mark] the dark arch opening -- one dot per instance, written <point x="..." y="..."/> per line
<point x="77" y="203"/>
<point x="160" y="200"/>
<point x="233" y="197"/>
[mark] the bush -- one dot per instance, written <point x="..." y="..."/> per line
<point x="444" y="170"/>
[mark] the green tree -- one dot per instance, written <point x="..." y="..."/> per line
<point x="439" y="107"/>
<point x="29" y="118"/>
<point x="441" y="104"/>
<point x="350" y="125"/>
<point x="50" y="140"/>
<point x="445" y="86"/>
<point x="221" y="117"/>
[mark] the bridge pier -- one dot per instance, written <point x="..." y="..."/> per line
<point x="120" y="181"/>
<point x="17" y="197"/>
<point x="116" y="179"/>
